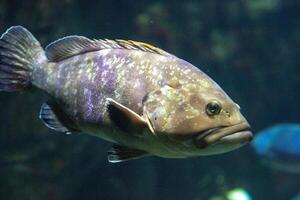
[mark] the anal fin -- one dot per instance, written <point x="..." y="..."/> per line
<point x="54" y="119"/>
<point x="121" y="153"/>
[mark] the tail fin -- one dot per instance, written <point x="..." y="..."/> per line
<point x="20" y="53"/>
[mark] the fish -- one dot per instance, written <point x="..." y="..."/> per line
<point x="297" y="197"/>
<point x="278" y="147"/>
<point x="141" y="98"/>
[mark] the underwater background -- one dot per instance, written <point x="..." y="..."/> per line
<point x="250" y="47"/>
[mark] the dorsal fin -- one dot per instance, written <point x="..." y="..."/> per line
<point x="69" y="46"/>
<point x="73" y="45"/>
<point x="130" y="44"/>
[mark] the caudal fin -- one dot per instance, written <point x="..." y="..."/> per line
<point x="20" y="53"/>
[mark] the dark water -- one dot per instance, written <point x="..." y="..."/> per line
<point x="250" y="47"/>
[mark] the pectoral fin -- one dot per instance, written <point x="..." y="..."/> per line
<point x="121" y="153"/>
<point x="124" y="118"/>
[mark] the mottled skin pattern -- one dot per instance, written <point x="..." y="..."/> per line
<point x="81" y="84"/>
<point x="126" y="92"/>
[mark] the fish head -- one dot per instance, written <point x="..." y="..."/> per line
<point x="204" y="120"/>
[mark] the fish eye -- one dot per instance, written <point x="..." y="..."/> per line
<point x="213" y="108"/>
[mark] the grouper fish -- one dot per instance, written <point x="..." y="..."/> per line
<point x="139" y="97"/>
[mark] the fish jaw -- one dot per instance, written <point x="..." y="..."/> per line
<point x="224" y="139"/>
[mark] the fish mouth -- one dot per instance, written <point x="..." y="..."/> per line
<point x="239" y="134"/>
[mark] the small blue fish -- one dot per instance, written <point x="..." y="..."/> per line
<point x="279" y="146"/>
<point x="296" y="197"/>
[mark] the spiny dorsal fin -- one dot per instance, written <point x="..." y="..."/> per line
<point x="51" y="119"/>
<point x="130" y="44"/>
<point x="121" y="153"/>
<point x="73" y="45"/>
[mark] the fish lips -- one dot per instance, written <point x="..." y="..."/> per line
<point x="236" y="134"/>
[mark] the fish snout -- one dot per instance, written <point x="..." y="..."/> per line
<point x="238" y="134"/>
